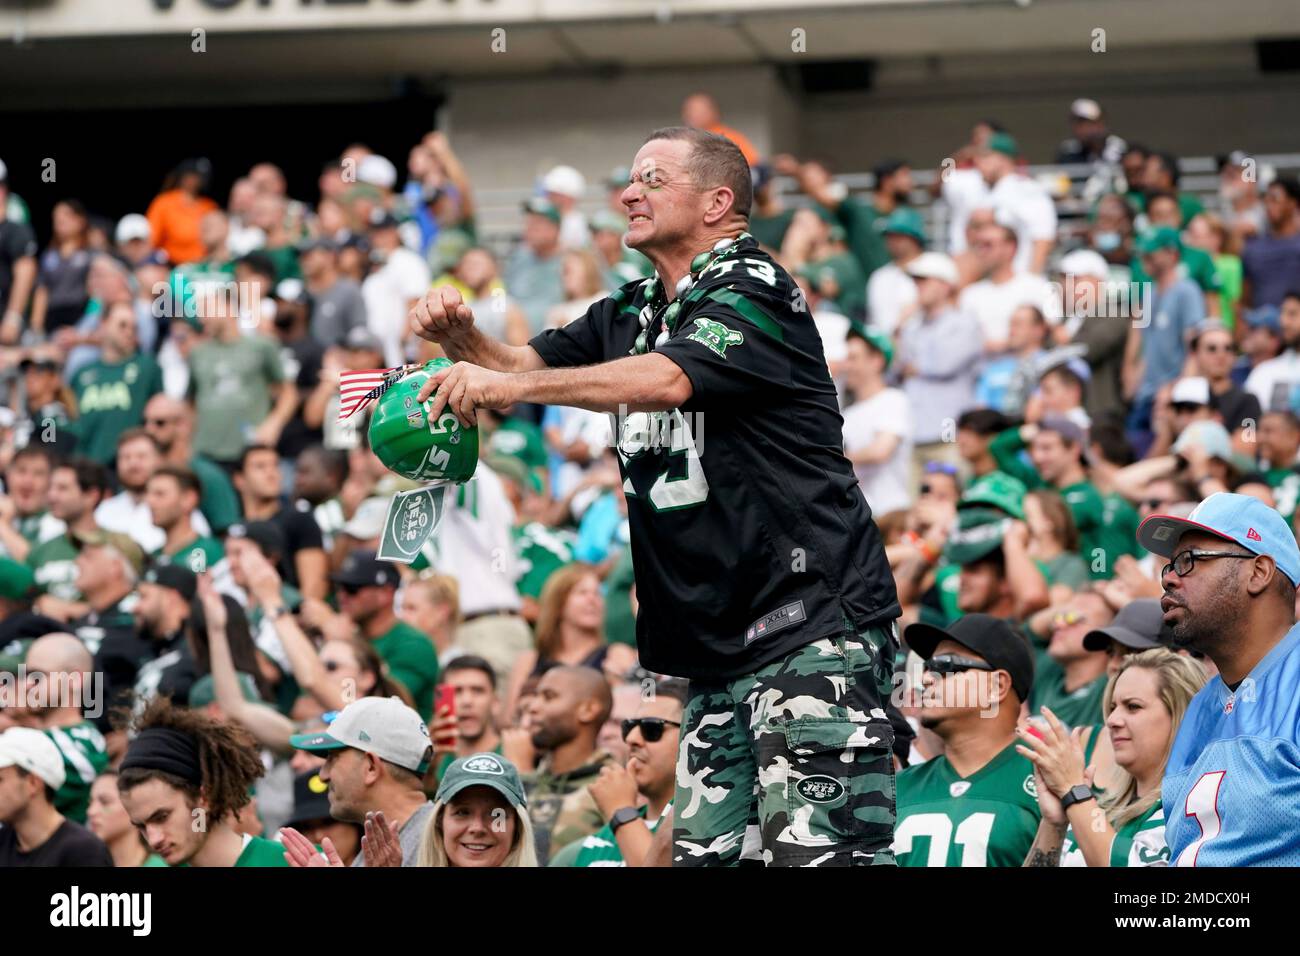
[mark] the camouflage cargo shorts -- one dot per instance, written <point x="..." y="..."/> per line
<point x="791" y="765"/>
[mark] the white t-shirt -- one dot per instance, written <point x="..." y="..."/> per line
<point x="833" y="327"/>
<point x="124" y="514"/>
<point x="992" y="302"/>
<point x="889" y="291"/>
<point x="964" y="191"/>
<point x="1024" y="205"/>
<point x="388" y="293"/>
<point x="475" y="546"/>
<point x="884" y="485"/>
<point x="1273" y="380"/>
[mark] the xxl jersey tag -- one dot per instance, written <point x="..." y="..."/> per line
<point x="784" y="617"/>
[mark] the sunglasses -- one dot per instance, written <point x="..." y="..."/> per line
<point x="652" y="728"/>
<point x="1066" y="619"/>
<point x="1186" y="408"/>
<point x="940" y="468"/>
<point x="953" y="664"/>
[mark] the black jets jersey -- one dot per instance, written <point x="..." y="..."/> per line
<point x="750" y="537"/>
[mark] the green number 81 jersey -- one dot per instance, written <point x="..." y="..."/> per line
<point x="987" y="819"/>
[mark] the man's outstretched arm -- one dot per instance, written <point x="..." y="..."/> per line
<point x="638" y="383"/>
<point x="443" y="317"/>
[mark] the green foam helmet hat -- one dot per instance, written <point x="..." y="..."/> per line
<point x="410" y="445"/>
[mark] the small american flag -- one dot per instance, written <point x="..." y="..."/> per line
<point x="361" y="387"/>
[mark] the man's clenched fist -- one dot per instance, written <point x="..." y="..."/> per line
<point x="442" y="316"/>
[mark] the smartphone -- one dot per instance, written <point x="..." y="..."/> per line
<point x="445" y="699"/>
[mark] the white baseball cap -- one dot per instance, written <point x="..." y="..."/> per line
<point x="34" y="752"/>
<point x="132" y="226"/>
<point x="383" y="726"/>
<point x="1084" y="262"/>
<point x="368" y="522"/>
<point x="377" y="171"/>
<point x="1086" y="109"/>
<point x="1192" y="390"/>
<point x="933" y="265"/>
<point x="566" y="181"/>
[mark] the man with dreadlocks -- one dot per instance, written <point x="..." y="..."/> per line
<point x="183" y="779"/>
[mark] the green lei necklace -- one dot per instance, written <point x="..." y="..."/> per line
<point x="648" y="318"/>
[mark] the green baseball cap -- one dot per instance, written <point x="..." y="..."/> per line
<point x="482" y="770"/>
<point x="878" y="340"/>
<point x="978" y="534"/>
<point x="543" y="207"/>
<point x="204" y="690"/>
<point x="1005" y="144"/>
<point x="1157" y="238"/>
<point x="905" y="222"/>
<point x="998" y="490"/>
<point x="409" y="444"/>
<point x="16" y="579"/>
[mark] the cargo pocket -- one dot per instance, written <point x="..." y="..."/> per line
<point x="840" y="788"/>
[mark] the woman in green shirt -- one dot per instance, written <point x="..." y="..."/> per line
<point x="1209" y="233"/>
<point x="1054" y="544"/>
<point x="1124" y="825"/>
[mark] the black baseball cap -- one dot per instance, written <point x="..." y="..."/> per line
<point x="363" y="568"/>
<point x="311" y="802"/>
<point x="180" y="579"/>
<point x="990" y="637"/>
<point x="1139" y="625"/>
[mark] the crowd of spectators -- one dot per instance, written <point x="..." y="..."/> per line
<point x="189" y="586"/>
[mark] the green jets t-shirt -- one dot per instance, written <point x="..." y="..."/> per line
<point x="1077" y="708"/>
<point x="412" y="661"/>
<point x="540" y="552"/>
<point x="199" y="555"/>
<point x="1139" y="842"/>
<point x="1285" y="483"/>
<point x="987" y="819"/>
<point x="601" y="849"/>
<point x="54" y="566"/>
<point x="85" y="756"/>
<point x="111" y="399"/>
<point x="230" y="384"/>
<point x="770" y="230"/>
<point x="260" y="852"/>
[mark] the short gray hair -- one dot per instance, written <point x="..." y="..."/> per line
<point x="715" y="161"/>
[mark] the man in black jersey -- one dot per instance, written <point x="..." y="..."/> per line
<point x="760" y="574"/>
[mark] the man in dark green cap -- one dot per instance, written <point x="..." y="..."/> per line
<point x="532" y="273"/>
<point x="1018" y="202"/>
<point x="878" y="424"/>
<point x="890" y="289"/>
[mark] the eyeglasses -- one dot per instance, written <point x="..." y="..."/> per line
<point x="652" y="728"/>
<point x="1185" y="561"/>
<point x="940" y="468"/>
<point x="953" y="664"/>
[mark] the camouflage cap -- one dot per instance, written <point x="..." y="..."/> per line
<point x="482" y="770"/>
<point x="123" y="544"/>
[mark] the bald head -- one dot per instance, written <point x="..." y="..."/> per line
<point x="59" y="653"/>
<point x="585" y="684"/>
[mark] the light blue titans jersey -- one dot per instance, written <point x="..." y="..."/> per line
<point x="1231" y="790"/>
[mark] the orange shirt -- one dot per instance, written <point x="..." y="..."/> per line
<point x="174" y="220"/>
<point x="739" y="138"/>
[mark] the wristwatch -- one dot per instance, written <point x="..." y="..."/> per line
<point x="1077" y="794"/>
<point x="621" y="816"/>
<point x="275" y="612"/>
